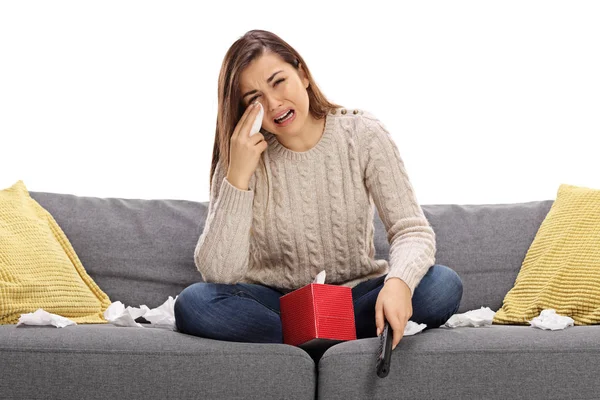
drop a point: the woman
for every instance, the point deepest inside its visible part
(297, 198)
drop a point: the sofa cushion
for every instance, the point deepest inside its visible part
(38, 266)
(494, 362)
(103, 361)
(561, 270)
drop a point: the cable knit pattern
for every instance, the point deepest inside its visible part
(282, 218)
(334, 192)
(258, 249)
(226, 227)
(310, 211)
(357, 218)
(311, 233)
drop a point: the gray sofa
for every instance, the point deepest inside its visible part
(141, 252)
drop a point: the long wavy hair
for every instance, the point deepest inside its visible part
(242, 52)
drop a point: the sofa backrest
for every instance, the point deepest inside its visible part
(137, 251)
(486, 245)
(142, 251)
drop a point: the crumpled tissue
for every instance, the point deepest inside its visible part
(474, 318)
(162, 316)
(411, 327)
(548, 319)
(42, 317)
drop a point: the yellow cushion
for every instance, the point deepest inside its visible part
(38, 266)
(561, 269)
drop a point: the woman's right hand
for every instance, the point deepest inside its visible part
(245, 150)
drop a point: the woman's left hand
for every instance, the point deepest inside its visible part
(395, 302)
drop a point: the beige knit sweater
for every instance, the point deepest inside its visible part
(310, 211)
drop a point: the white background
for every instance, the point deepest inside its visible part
(488, 102)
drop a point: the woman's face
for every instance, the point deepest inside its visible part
(278, 87)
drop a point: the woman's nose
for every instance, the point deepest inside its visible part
(273, 103)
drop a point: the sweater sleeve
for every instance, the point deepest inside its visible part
(222, 252)
(411, 237)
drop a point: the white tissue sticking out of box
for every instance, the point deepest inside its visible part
(320, 278)
(42, 317)
(162, 316)
(257, 121)
(474, 318)
(549, 319)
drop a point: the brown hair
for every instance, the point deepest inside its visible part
(242, 52)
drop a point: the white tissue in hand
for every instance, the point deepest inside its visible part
(320, 277)
(41, 317)
(549, 319)
(475, 318)
(162, 316)
(258, 121)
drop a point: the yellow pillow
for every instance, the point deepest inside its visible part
(38, 266)
(561, 269)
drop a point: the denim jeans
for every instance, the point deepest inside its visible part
(246, 312)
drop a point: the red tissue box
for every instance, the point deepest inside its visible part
(317, 314)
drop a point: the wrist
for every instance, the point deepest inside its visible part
(241, 184)
(395, 280)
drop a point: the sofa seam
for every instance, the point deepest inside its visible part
(155, 353)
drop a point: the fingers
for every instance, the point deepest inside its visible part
(247, 119)
(244, 118)
(379, 317)
(398, 326)
(259, 137)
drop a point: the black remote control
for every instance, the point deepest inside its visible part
(384, 353)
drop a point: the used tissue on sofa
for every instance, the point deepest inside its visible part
(474, 318)
(412, 328)
(42, 317)
(549, 319)
(162, 316)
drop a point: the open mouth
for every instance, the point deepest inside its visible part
(285, 119)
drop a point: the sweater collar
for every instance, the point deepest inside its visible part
(276, 149)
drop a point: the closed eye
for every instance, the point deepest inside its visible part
(275, 84)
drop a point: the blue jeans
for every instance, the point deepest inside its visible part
(246, 312)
